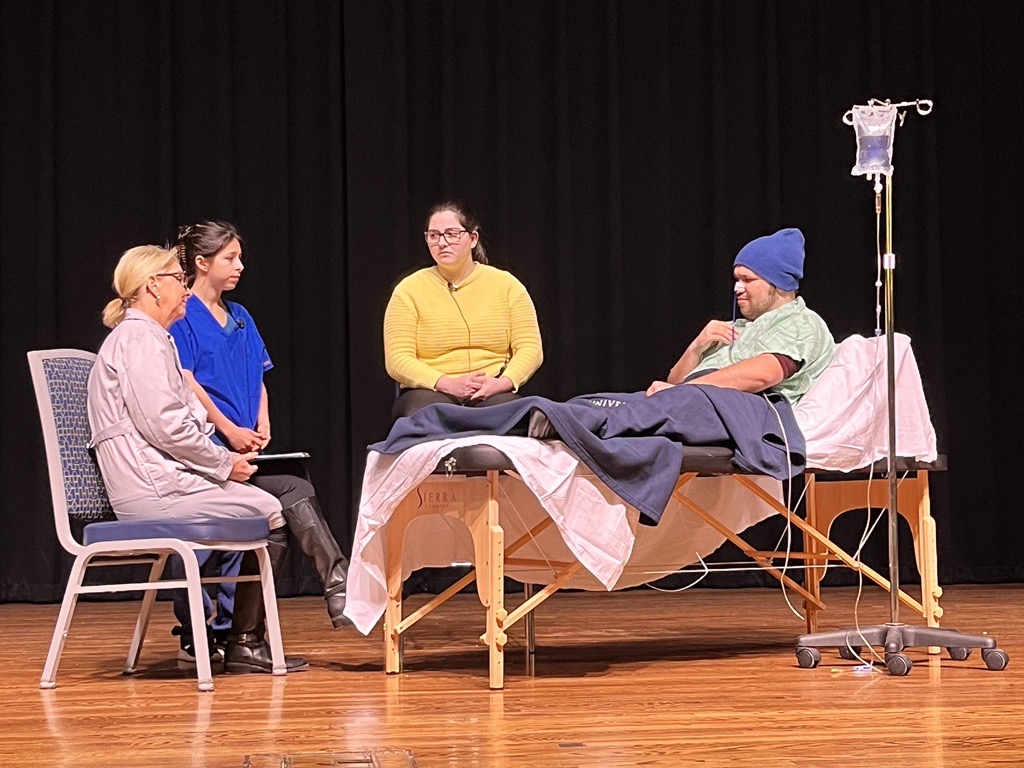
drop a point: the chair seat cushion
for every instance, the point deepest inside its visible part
(201, 529)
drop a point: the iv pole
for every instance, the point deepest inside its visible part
(893, 636)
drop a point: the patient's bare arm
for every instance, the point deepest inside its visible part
(754, 375)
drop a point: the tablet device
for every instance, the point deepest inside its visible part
(272, 456)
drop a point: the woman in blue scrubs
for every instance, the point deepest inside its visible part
(223, 354)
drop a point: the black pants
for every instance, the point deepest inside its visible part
(285, 479)
(411, 400)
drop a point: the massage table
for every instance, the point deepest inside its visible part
(529, 509)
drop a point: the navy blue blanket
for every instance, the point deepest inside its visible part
(634, 443)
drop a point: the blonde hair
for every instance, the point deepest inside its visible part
(135, 267)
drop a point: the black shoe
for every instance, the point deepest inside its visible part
(249, 653)
(187, 652)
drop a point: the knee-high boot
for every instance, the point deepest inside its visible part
(307, 524)
(247, 650)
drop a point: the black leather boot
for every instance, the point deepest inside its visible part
(307, 524)
(247, 650)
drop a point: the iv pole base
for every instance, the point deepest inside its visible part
(893, 639)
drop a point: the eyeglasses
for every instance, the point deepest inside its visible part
(181, 277)
(433, 237)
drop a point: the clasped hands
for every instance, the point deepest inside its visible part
(473, 386)
(244, 440)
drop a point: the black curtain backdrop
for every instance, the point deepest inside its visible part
(619, 153)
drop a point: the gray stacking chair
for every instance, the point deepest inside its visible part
(60, 377)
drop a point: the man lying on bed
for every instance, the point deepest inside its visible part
(779, 345)
(634, 441)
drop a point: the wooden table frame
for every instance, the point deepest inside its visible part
(473, 499)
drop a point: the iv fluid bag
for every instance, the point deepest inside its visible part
(875, 127)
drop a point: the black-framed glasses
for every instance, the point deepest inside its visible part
(181, 277)
(433, 236)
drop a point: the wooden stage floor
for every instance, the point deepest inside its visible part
(703, 678)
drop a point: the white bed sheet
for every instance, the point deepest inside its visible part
(591, 523)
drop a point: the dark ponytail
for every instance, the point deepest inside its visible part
(203, 239)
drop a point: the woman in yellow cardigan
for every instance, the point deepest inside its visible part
(461, 331)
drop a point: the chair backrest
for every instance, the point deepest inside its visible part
(60, 378)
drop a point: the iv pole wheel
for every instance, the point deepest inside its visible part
(995, 659)
(899, 664)
(959, 654)
(850, 653)
(808, 658)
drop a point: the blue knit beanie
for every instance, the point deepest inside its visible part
(777, 258)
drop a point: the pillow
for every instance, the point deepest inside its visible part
(844, 414)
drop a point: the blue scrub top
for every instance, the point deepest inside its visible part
(227, 361)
